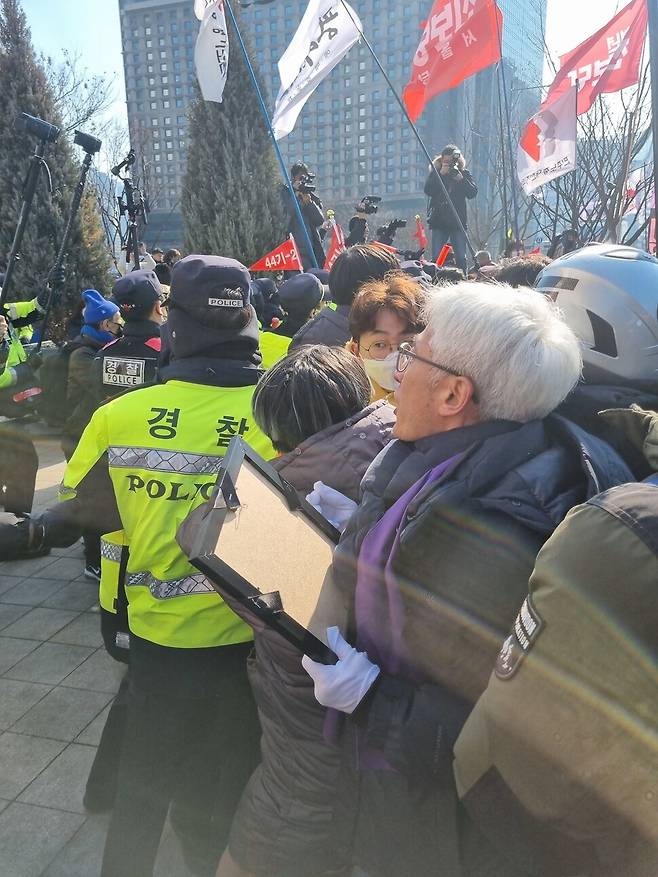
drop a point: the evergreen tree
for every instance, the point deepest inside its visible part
(232, 190)
(24, 88)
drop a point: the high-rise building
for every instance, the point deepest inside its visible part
(158, 38)
(352, 131)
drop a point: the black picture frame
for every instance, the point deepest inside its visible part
(223, 577)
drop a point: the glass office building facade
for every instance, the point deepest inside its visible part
(351, 132)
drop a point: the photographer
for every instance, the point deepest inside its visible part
(311, 208)
(359, 222)
(459, 185)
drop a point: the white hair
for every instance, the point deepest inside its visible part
(512, 343)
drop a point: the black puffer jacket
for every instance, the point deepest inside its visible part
(466, 550)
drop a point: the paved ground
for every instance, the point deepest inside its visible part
(56, 682)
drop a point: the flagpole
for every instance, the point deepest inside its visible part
(503, 80)
(652, 7)
(455, 215)
(266, 116)
(504, 163)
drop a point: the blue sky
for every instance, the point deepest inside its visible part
(91, 27)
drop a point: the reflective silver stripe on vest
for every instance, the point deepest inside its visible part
(157, 460)
(110, 551)
(194, 584)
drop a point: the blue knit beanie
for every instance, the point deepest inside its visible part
(97, 308)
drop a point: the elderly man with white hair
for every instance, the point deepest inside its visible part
(436, 561)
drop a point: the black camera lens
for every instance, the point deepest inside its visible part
(89, 143)
(39, 128)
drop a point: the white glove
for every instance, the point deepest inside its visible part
(341, 686)
(332, 505)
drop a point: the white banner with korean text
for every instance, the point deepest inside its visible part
(325, 35)
(211, 50)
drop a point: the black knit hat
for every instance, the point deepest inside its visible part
(136, 294)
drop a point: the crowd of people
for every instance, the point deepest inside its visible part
(486, 442)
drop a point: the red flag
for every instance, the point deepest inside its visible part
(535, 252)
(608, 61)
(420, 233)
(446, 249)
(460, 38)
(284, 258)
(336, 247)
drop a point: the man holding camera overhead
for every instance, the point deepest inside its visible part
(304, 188)
(459, 185)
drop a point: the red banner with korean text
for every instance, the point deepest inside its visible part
(283, 258)
(336, 247)
(607, 61)
(460, 38)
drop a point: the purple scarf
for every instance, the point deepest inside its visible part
(379, 604)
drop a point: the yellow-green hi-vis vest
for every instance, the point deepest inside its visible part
(273, 348)
(164, 447)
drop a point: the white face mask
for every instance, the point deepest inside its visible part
(382, 371)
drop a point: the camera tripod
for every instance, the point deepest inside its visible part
(133, 207)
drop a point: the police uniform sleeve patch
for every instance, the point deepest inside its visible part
(527, 627)
(123, 372)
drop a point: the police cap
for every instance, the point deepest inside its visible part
(301, 294)
(136, 294)
(208, 288)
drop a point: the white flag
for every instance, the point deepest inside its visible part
(547, 149)
(211, 51)
(200, 7)
(325, 35)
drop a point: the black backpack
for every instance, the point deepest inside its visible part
(53, 375)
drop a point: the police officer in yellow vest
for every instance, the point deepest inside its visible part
(299, 296)
(192, 734)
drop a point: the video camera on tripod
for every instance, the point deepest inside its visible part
(133, 207)
(386, 233)
(369, 204)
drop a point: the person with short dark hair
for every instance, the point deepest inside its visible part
(172, 256)
(522, 271)
(384, 314)
(157, 254)
(163, 273)
(459, 186)
(349, 272)
(314, 405)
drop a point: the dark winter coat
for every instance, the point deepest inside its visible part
(439, 214)
(313, 220)
(82, 387)
(466, 550)
(282, 825)
(330, 327)
(341, 453)
(141, 345)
